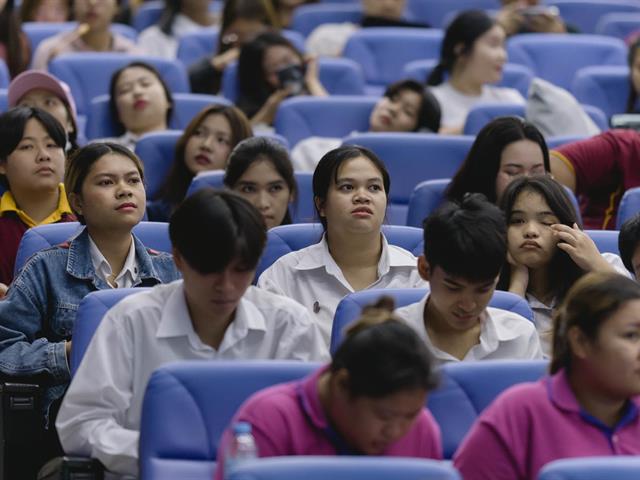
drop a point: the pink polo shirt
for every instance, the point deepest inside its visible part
(532, 424)
(288, 419)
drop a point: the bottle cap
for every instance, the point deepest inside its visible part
(242, 427)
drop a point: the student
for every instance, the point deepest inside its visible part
(52, 11)
(587, 406)
(506, 148)
(93, 34)
(204, 145)
(286, 8)
(406, 106)
(14, 46)
(465, 244)
(31, 168)
(548, 251)
(139, 101)
(104, 184)
(42, 90)
(368, 401)
(179, 17)
(633, 60)
(473, 55)
(260, 86)
(529, 16)
(213, 313)
(259, 170)
(350, 191)
(628, 242)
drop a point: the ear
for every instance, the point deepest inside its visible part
(3, 167)
(459, 50)
(319, 206)
(177, 259)
(424, 269)
(75, 201)
(340, 381)
(579, 343)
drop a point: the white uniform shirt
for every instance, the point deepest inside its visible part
(156, 43)
(127, 276)
(100, 414)
(308, 152)
(456, 105)
(503, 335)
(311, 277)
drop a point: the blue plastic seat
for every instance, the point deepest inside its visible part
(629, 206)
(383, 52)
(557, 141)
(157, 150)
(188, 405)
(345, 468)
(307, 17)
(592, 468)
(89, 74)
(436, 12)
(412, 158)
(339, 76)
(557, 57)
(5, 77)
(4, 100)
(605, 240)
(585, 14)
(604, 87)
(619, 25)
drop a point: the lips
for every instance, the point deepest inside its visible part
(140, 104)
(362, 210)
(203, 160)
(126, 206)
(45, 170)
(529, 244)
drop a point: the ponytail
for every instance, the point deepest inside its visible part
(436, 77)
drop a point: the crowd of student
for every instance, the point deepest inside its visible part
(507, 222)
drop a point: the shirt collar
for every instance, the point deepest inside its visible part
(8, 204)
(129, 273)
(310, 399)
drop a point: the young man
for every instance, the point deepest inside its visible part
(465, 246)
(629, 245)
(212, 313)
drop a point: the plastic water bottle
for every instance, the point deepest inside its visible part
(242, 448)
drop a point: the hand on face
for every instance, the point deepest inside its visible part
(580, 247)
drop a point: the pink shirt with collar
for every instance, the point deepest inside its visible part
(288, 419)
(533, 424)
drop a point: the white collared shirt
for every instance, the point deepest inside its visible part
(311, 277)
(100, 414)
(154, 42)
(127, 276)
(503, 335)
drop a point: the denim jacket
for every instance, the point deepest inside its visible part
(38, 312)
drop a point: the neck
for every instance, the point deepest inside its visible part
(604, 407)
(208, 327)
(114, 245)
(539, 285)
(38, 205)
(98, 40)
(197, 13)
(464, 84)
(156, 127)
(351, 250)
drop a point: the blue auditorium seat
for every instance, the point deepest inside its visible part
(188, 405)
(555, 142)
(557, 57)
(156, 150)
(5, 77)
(592, 468)
(344, 468)
(88, 74)
(288, 238)
(307, 17)
(411, 158)
(604, 87)
(153, 234)
(483, 113)
(149, 12)
(350, 307)
(4, 101)
(605, 240)
(435, 12)
(619, 25)
(629, 206)
(302, 117)
(585, 14)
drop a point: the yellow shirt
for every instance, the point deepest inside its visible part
(8, 204)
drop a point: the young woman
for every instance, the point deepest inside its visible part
(140, 102)
(260, 84)
(205, 145)
(42, 90)
(14, 46)
(259, 169)
(368, 401)
(548, 251)
(93, 34)
(350, 190)
(241, 21)
(633, 59)
(179, 17)
(104, 182)
(31, 168)
(406, 106)
(587, 406)
(472, 55)
(52, 11)
(506, 148)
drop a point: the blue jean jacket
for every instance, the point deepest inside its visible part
(38, 312)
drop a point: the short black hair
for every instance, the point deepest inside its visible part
(467, 238)
(628, 240)
(211, 228)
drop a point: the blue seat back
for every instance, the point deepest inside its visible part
(425, 198)
(483, 113)
(604, 87)
(88, 74)
(5, 77)
(307, 17)
(436, 12)
(619, 25)
(592, 468)
(188, 405)
(4, 100)
(412, 158)
(629, 206)
(585, 14)
(157, 150)
(557, 57)
(605, 240)
(344, 468)
(555, 142)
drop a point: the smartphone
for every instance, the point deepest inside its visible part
(292, 77)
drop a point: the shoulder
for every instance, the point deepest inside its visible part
(505, 94)
(401, 256)
(510, 324)
(517, 402)
(142, 303)
(123, 44)
(329, 39)
(276, 307)
(308, 256)
(278, 398)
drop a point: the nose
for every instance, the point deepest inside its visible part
(531, 230)
(43, 155)
(393, 430)
(502, 55)
(124, 189)
(361, 195)
(468, 304)
(223, 281)
(263, 201)
(207, 143)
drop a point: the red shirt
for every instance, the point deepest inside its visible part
(605, 166)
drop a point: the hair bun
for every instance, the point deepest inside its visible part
(374, 314)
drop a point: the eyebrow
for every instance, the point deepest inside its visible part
(457, 284)
(348, 179)
(113, 175)
(539, 214)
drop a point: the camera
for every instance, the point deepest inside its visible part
(292, 77)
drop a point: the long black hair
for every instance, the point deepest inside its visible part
(10, 37)
(633, 93)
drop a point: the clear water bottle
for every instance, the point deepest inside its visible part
(242, 447)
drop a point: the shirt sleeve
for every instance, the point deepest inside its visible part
(92, 416)
(273, 279)
(616, 262)
(302, 339)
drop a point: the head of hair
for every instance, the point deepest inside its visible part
(563, 271)
(13, 124)
(80, 162)
(328, 167)
(259, 149)
(628, 240)
(632, 98)
(383, 356)
(212, 228)
(466, 238)
(10, 36)
(459, 39)
(481, 166)
(587, 306)
(113, 108)
(177, 182)
(429, 113)
(28, 9)
(257, 10)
